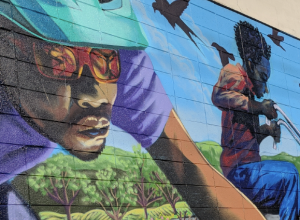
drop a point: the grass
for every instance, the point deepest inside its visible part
(162, 212)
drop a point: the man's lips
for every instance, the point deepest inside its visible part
(92, 127)
(95, 132)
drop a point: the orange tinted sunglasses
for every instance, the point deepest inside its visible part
(67, 63)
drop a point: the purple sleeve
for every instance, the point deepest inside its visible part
(142, 106)
(21, 147)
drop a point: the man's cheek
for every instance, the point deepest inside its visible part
(63, 100)
(111, 92)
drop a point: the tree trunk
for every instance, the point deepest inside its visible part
(68, 212)
(174, 208)
(117, 217)
(114, 215)
(146, 214)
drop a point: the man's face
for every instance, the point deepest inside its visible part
(259, 77)
(74, 113)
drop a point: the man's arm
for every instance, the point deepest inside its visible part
(207, 192)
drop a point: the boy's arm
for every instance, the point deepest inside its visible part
(228, 93)
(207, 192)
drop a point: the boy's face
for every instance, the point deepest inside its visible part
(259, 77)
(74, 113)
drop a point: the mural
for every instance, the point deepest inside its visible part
(159, 109)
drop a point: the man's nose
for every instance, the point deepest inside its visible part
(87, 91)
(92, 101)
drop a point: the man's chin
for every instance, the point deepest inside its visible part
(87, 155)
(259, 96)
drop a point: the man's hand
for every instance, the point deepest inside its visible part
(267, 108)
(275, 131)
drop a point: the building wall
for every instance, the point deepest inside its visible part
(273, 13)
(135, 109)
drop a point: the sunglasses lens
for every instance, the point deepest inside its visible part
(61, 62)
(106, 65)
(55, 61)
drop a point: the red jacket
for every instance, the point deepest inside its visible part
(231, 94)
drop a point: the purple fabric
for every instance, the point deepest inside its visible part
(142, 107)
(21, 147)
(16, 208)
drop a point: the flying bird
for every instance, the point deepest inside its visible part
(172, 13)
(224, 55)
(276, 39)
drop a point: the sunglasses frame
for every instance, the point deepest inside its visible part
(79, 63)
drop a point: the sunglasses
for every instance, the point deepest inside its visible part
(67, 63)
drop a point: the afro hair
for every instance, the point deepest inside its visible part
(251, 44)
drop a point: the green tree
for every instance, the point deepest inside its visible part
(142, 166)
(113, 192)
(56, 179)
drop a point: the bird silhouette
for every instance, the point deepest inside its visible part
(276, 39)
(224, 55)
(172, 13)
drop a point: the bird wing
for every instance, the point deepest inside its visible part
(280, 38)
(188, 31)
(164, 4)
(218, 47)
(177, 8)
(231, 56)
(162, 1)
(276, 36)
(274, 32)
(276, 39)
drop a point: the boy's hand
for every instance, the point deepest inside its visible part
(267, 109)
(263, 108)
(275, 131)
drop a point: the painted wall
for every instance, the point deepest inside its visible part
(130, 109)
